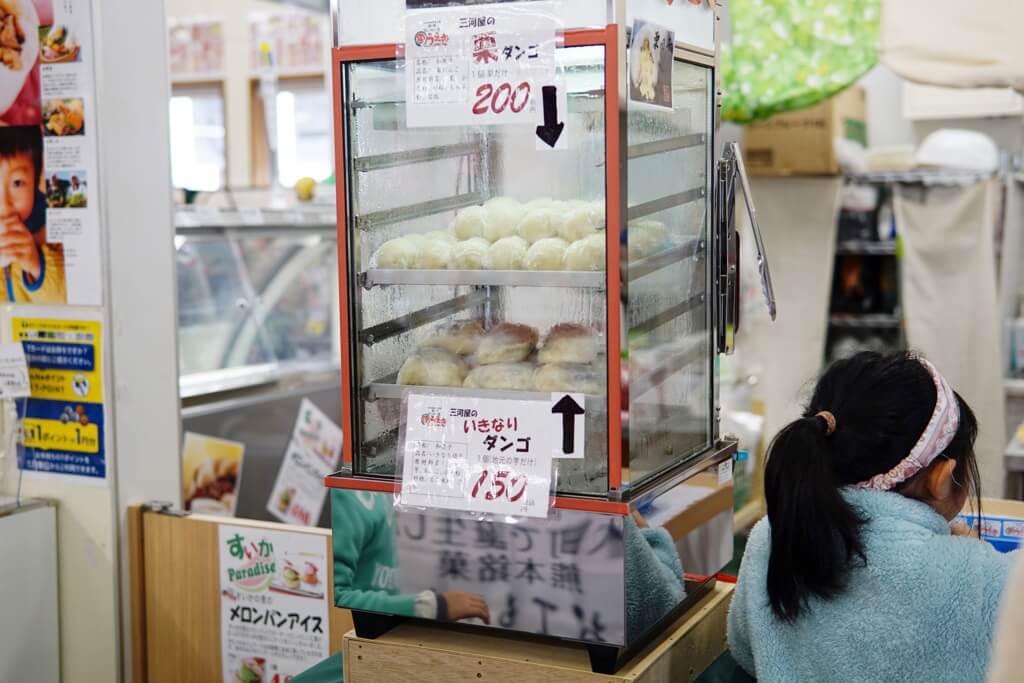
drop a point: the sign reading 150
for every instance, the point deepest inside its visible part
(495, 99)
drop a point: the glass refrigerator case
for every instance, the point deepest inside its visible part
(475, 263)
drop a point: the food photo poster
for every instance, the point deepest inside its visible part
(49, 228)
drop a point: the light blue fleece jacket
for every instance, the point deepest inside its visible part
(923, 608)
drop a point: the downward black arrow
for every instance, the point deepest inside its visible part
(569, 409)
(552, 128)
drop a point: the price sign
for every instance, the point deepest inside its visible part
(479, 65)
(479, 455)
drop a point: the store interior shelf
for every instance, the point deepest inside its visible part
(197, 220)
(376, 162)
(644, 149)
(481, 278)
(387, 388)
(392, 328)
(869, 321)
(921, 177)
(644, 382)
(418, 210)
(652, 207)
(643, 267)
(866, 248)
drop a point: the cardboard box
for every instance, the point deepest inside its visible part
(1002, 522)
(801, 142)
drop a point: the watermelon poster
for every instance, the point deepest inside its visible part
(273, 603)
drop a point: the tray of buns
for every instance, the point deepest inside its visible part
(479, 278)
(506, 360)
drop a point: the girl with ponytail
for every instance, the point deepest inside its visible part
(857, 574)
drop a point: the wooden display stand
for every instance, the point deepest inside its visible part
(415, 652)
(175, 592)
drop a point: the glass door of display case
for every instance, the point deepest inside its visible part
(478, 263)
(666, 278)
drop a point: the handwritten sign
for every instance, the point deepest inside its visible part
(479, 455)
(14, 381)
(483, 65)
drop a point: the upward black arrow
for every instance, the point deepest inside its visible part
(552, 128)
(569, 409)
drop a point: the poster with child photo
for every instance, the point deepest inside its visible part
(49, 228)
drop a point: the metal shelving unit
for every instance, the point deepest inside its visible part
(866, 248)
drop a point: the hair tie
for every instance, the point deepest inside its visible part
(830, 422)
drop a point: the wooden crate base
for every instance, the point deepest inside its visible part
(415, 652)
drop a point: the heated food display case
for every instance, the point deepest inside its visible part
(482, 265)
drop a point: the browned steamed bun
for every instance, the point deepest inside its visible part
(506, 343)
(459, 337)
(569, 343)
(433, 367)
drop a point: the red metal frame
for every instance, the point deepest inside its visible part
(609, 507)
(341, 177)
(608, 38)
(613, 267)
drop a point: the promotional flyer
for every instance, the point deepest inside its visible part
(273, 603)
(49, 221)
(63, 422)
(298, 495)
(211, 471)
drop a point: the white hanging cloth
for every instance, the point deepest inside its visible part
(951, 303)
(954, 43)
(797, 215)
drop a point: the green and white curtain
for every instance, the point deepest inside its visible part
(791, 54)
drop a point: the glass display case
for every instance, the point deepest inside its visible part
(473, 262)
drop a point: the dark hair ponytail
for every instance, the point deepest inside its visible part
(881, 405)
(815, 533)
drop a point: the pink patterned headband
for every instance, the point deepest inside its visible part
(936, 438)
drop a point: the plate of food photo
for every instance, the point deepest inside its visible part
(58, 46)
(19, 48)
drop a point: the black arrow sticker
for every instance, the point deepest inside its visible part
(569, 409)
(552, 128)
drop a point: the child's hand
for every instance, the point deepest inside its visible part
(466, 606)
(18, 246)
(639, 519)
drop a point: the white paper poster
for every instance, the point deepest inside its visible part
(299, 494)
(273, 605)
(70, 152)
(48, 154)
(483, 455)
(14, 382)
(485, 64)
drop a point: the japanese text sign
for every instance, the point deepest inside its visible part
(562, 576)
(484, 64)
(13, 372)
(479, 455)
(62, 423)
(273, 604)
(298, 495)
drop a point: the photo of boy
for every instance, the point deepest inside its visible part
(33, 270)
